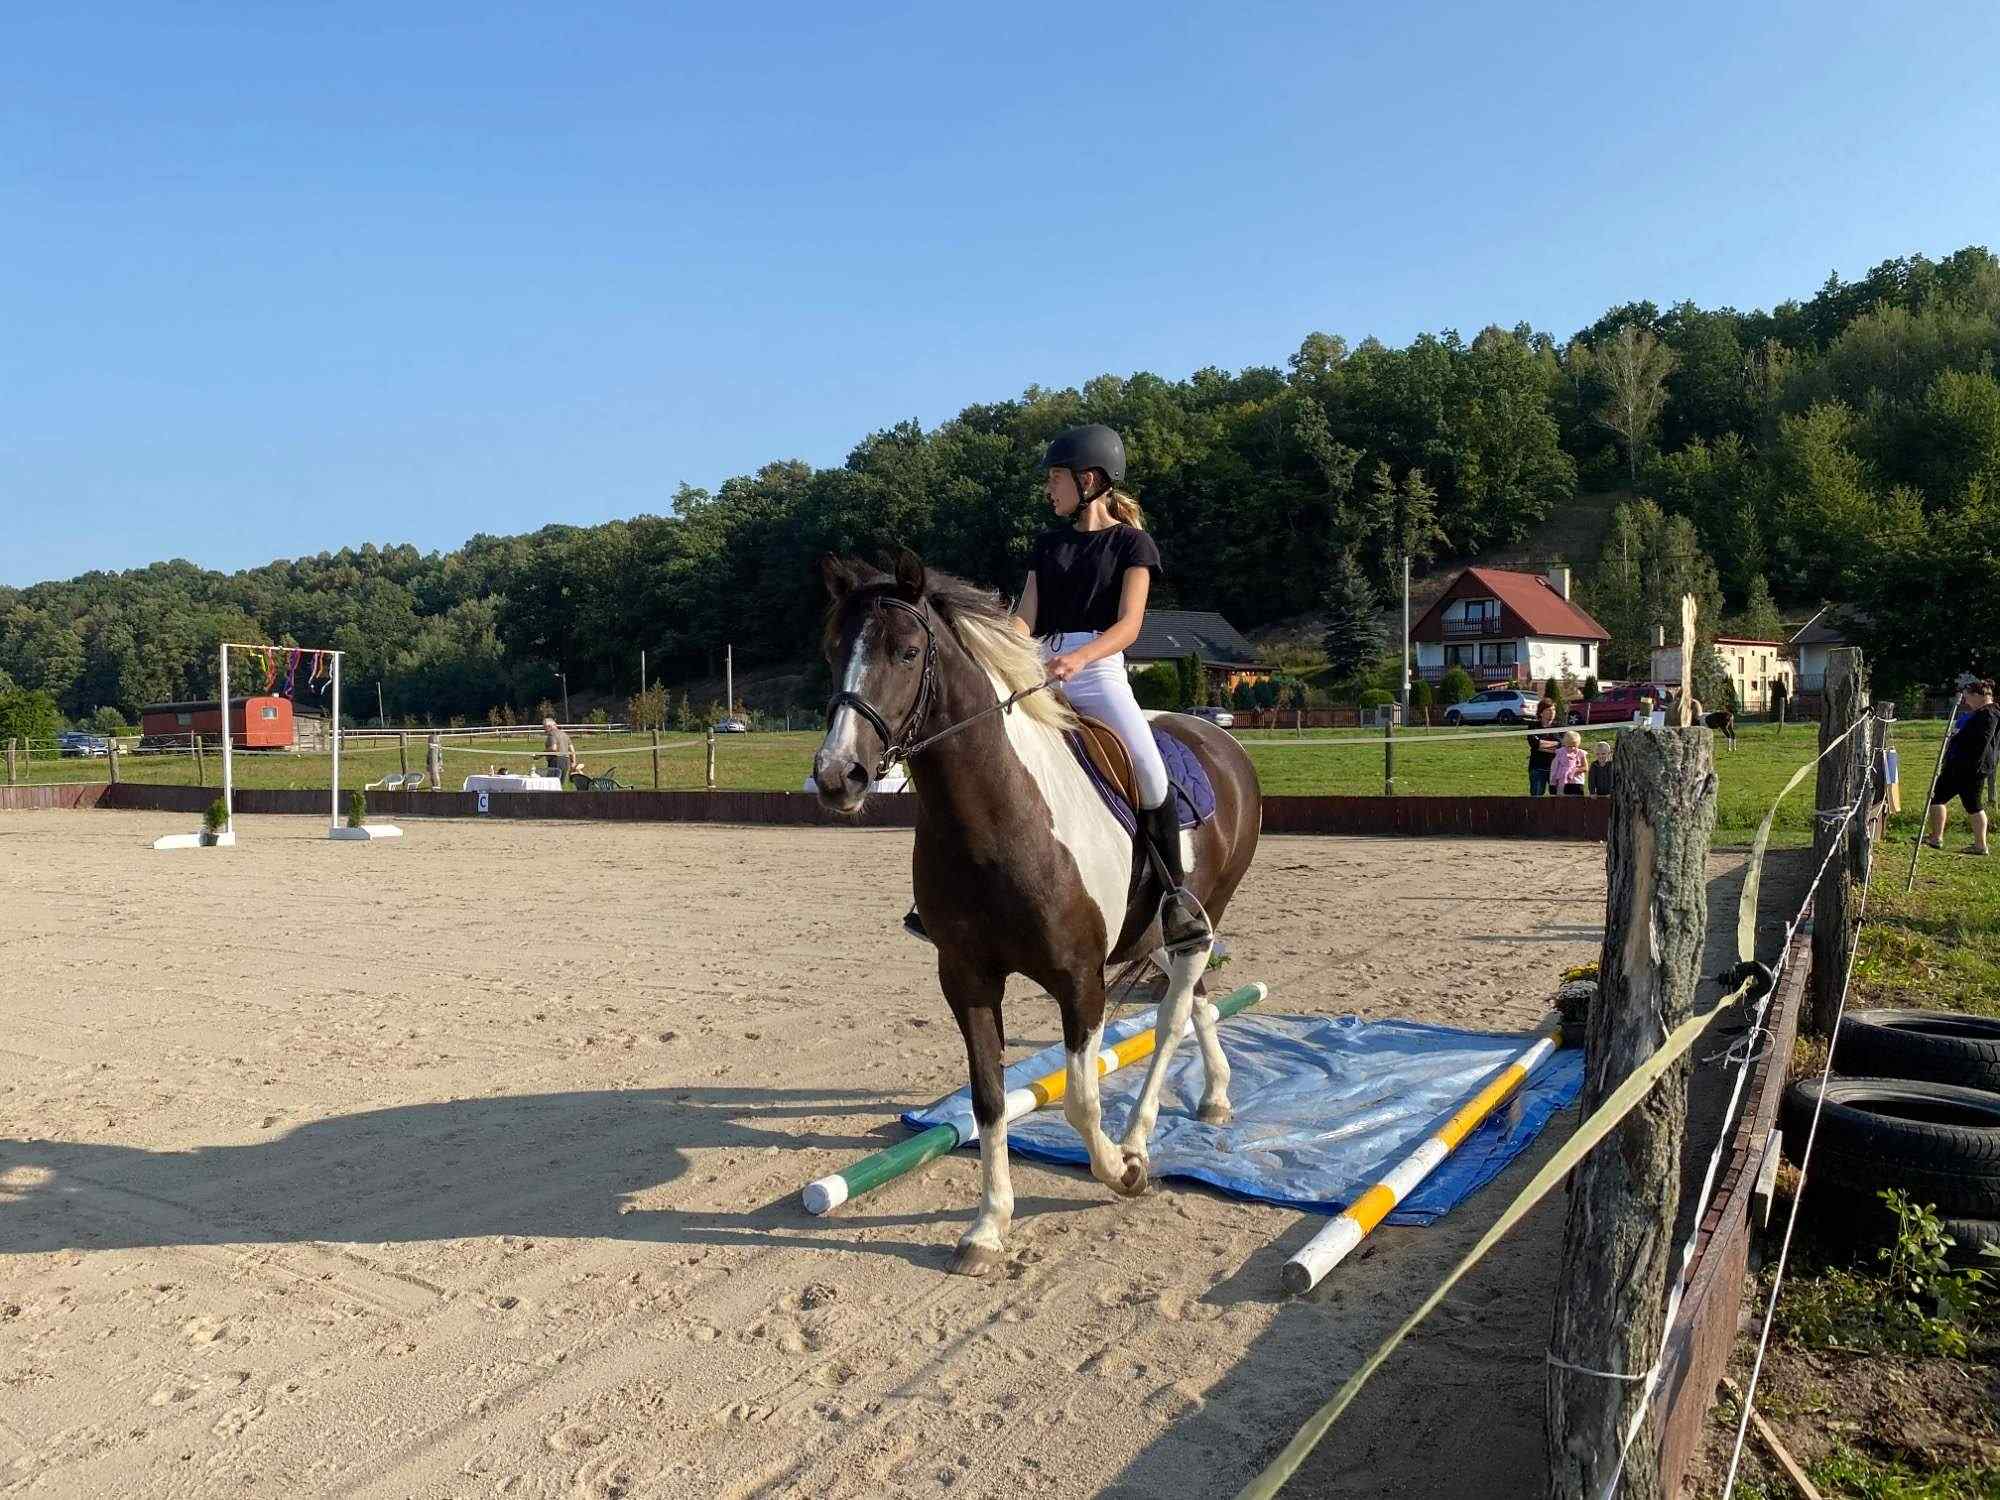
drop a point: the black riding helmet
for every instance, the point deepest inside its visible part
(1084, 448)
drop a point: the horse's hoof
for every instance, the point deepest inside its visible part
(1216, 1114)
(1132, 1181)
(973, 1260)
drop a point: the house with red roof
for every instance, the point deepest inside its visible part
(1504, 627)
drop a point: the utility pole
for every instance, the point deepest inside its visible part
(729, 680)
(642, 669)
(381, 716)
(564, 676)
(1406, 639)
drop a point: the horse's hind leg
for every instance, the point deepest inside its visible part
(975, 1002)
(1214, 1067)
(1171, 1017)
(1082, 1002)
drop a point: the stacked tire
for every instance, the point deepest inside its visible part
(1915, 1105)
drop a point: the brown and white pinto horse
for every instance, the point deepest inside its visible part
(1019, 867)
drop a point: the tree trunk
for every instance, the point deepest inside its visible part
(1612, 1289)
(1841, 778)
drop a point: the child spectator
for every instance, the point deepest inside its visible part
(1602, 778)
(1567, 775)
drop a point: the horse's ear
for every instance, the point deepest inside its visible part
(910, 579)
(839, 574)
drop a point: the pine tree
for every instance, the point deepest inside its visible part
(1353, 638)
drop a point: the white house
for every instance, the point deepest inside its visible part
(1826, 631)
(1753, 666)
(1508, 627)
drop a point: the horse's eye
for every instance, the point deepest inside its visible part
(907, 655)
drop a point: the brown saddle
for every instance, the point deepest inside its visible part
(1108, 753)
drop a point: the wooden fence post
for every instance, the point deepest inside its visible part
(434, 762)
(403, 753)
(656, 760)
(1842, 775)
(1611, 1290)
(13, 771)
(711, 757)
(111, 759)
(200, 763)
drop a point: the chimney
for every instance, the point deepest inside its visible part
(1559, 579)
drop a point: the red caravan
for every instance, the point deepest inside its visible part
(259, 722)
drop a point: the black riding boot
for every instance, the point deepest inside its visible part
(1183, 924)
(913, 924)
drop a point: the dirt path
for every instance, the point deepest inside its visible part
(468, 1165)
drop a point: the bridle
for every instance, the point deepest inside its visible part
(902, 745)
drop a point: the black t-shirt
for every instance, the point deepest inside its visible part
(1540, 759)
(1973, 747)
(1079, 575)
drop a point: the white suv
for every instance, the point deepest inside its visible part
(1495, 706)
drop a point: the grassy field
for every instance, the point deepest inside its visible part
(1435, 762)
(1883, 1358)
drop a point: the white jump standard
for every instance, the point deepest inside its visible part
(225, 837)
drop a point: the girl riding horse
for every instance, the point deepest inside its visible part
(1085, 598)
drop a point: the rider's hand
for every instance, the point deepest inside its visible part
(1066, 666)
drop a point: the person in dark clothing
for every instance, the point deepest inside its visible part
(1542, 749)
(1602, 777)
(1968, 761)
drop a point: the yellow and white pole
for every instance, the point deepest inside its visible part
(1333, 1244)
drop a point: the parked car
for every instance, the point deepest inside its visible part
(1617, 704)
(732, 726)
(75, 742)
(1221, 718)
(1494, 706)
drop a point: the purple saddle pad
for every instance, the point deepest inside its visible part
(1187, 782)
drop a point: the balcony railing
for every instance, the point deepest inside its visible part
(1490, 672)
(1458, 628)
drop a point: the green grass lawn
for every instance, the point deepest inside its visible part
(1428, 763)
(1938, 946)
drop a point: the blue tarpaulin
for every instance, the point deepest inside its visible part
(1324, 1105)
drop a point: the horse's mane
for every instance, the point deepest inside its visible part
(982, 624)
(984, 627)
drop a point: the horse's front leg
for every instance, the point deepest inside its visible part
(975, 1002)
(1182, 972)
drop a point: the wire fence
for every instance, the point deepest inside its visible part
(1609, 1115)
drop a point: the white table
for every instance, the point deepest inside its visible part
(513, 784)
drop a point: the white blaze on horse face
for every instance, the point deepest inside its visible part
(1082, 823)
(846, 725)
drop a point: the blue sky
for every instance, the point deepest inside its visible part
(279, 278)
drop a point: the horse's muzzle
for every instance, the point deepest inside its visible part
(841, 780)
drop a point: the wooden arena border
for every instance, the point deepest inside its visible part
(1577, 819)
(1705, 1328)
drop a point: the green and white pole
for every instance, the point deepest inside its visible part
(828, 1193)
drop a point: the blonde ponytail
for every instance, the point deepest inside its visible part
(1125, 509)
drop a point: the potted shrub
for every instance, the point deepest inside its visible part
(213, 822)
(357, 809)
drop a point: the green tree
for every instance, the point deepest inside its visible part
(29, 715)
(1758, 619)
(1158, 687)
(1455, 686)
(1353, 636)
(1634, 366)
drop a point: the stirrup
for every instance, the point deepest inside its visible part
(1184, 924)
(913, 924)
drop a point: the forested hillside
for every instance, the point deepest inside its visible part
(1844, 446)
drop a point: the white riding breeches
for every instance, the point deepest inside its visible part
(1103, 691)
